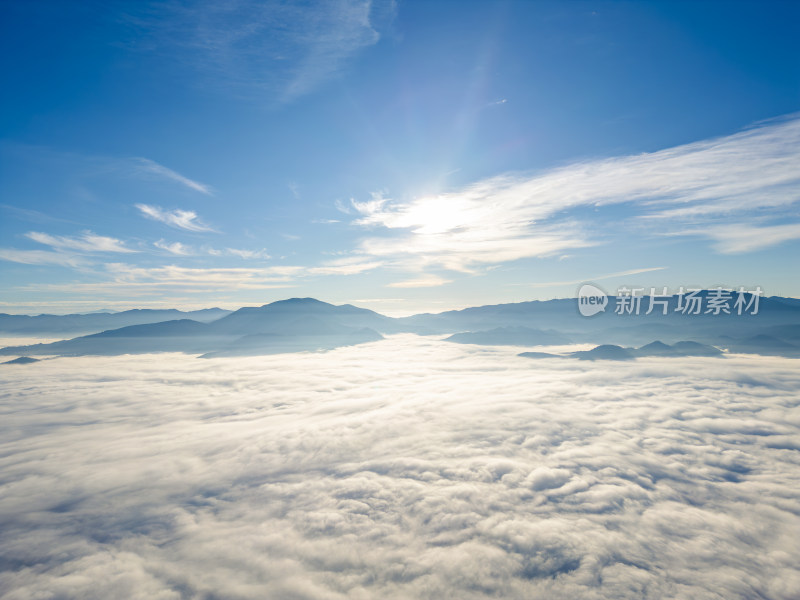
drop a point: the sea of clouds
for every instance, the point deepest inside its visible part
(408, 468)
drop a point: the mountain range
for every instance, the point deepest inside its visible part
(49, 325)
(307, 324)
(613, 352)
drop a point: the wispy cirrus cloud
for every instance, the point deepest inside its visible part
(175, 248)
(515, 216)
(33, 216)
(147, 166)
(179, 249)
(179, 219)
(85, 169)
(122, 280)
(86, 242)
(545, 284)
(39, 257)
(241, 253)
(349, 265)
(423, 281)
(276, 49)
(129, 280)
(432, 234)
(172, 273)
(67, 251)
(744, 237)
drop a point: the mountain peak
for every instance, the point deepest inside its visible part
(298, 302)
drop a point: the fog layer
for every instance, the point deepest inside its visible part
(407, 468)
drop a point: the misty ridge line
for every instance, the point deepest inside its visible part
(156, 312)
(307, 324)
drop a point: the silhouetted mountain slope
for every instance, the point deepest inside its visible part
(683, 348)
(612, 352)
(277, 343)
(604, 352)
(510, 336)
(688, 348)
(766, 345)
(99, 321)
(183, 335)
(534, 314)
(657, 348)
(789, 333)
(271, 317)
(22, 360)
(179, 328)
(540, 355)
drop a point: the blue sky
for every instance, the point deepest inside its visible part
(401, 156)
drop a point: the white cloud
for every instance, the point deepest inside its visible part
(38, 257)
(240, 253)
(180, 219)
(410, 468)
(483, 243)
(739, 238)
(349, 265)
(343, 207)
(175, 248)
(68, 251)
(247, 254)
(282, 50)
(87, 242)
(146, 165)
(515, 216)
(229, 278)
(33, 216)
(545, 284)
(130, 281)
(420, 282)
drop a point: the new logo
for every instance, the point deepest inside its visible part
(591, 300)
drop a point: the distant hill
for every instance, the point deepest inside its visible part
(604, 352)
(541, 355)
(764, 344)
(789, 333)
(183, 335)
(657, 348)
(98, 321)
(22, 360)
(274, 316)
(613, 352)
